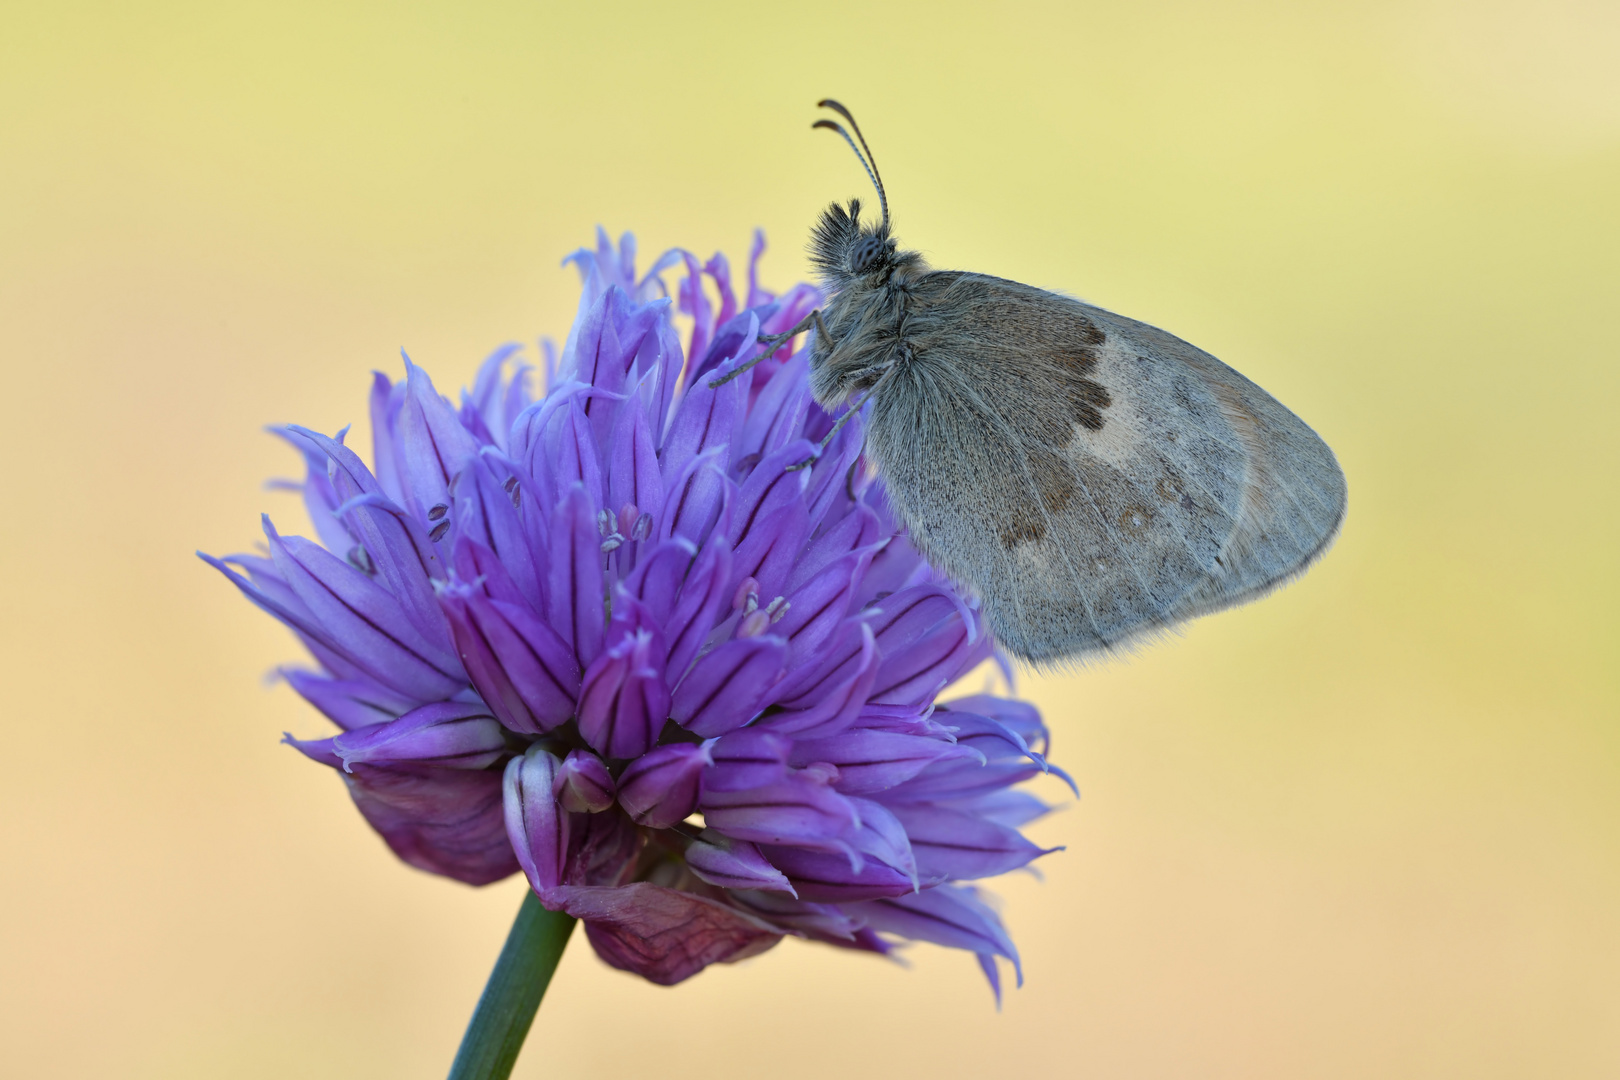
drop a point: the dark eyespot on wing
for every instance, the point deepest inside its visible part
(1054, 484)
(1134, 521)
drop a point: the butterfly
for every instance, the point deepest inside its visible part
(1094, 479)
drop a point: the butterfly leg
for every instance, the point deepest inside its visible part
(772, 342)
(821, 330)
(838, 425)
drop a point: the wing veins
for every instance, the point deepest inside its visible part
(1031, 489)
(1053, 532)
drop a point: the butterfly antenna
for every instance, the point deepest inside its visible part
(868, 161)
(833, 125)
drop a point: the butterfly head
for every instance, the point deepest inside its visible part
(847, 254)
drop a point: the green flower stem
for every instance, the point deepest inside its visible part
(501, 1021)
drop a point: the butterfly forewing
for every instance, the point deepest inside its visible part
(1093, 477)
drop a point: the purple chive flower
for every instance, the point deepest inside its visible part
(615, 639)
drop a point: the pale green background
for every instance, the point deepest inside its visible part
(1367, 828)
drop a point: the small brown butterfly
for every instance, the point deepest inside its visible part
(1092, 477)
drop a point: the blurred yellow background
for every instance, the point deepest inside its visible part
(1369, 827)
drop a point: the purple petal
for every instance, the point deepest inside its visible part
(515, 400)
(828, 878)
(444, 821)
(624, 700)
(348, 703)
(814, 611)
(659, 576)
(633, 474)
(584, 784)
(911, 615)
(602, 848)
(733, 343)
(487, 517)
(950, 845)
(799, 810)
(660, 788)
(870, 761)
(402, 557)
(998, 742)
(538, 433)
(705, 420)
(663, 935)
(652, 282)
(576, 598)
(898, 566)
(485, 400)
(749, 758)
(910, 678)
(719, 268)
(517, 663)
(370, 624)
(598, 356)
(777, 416)
(385, 402)
(959, 779)
(1010, 808)
(1019, 717)
(728, 686)
(703, 597)
(537, 828)
(575, 459)
(823, 922)
(626, 331)
(771, 486)
(819, 605)
(698, 502)
(733, 864)
(695, 303)
(451, 734)
(390, 541)
(670, 361)
(791, 307)
(925, 634)
(854, 531)
(882, 837)
(768, 553)
(992, 973)
(320, 494)
(269, 593)
(836, 475)
(831, 704)
(756, 295)
(473, 421)
(945, 915)
(994, 739)
(433, 446)
(317, 750)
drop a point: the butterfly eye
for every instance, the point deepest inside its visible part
(867, 254)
